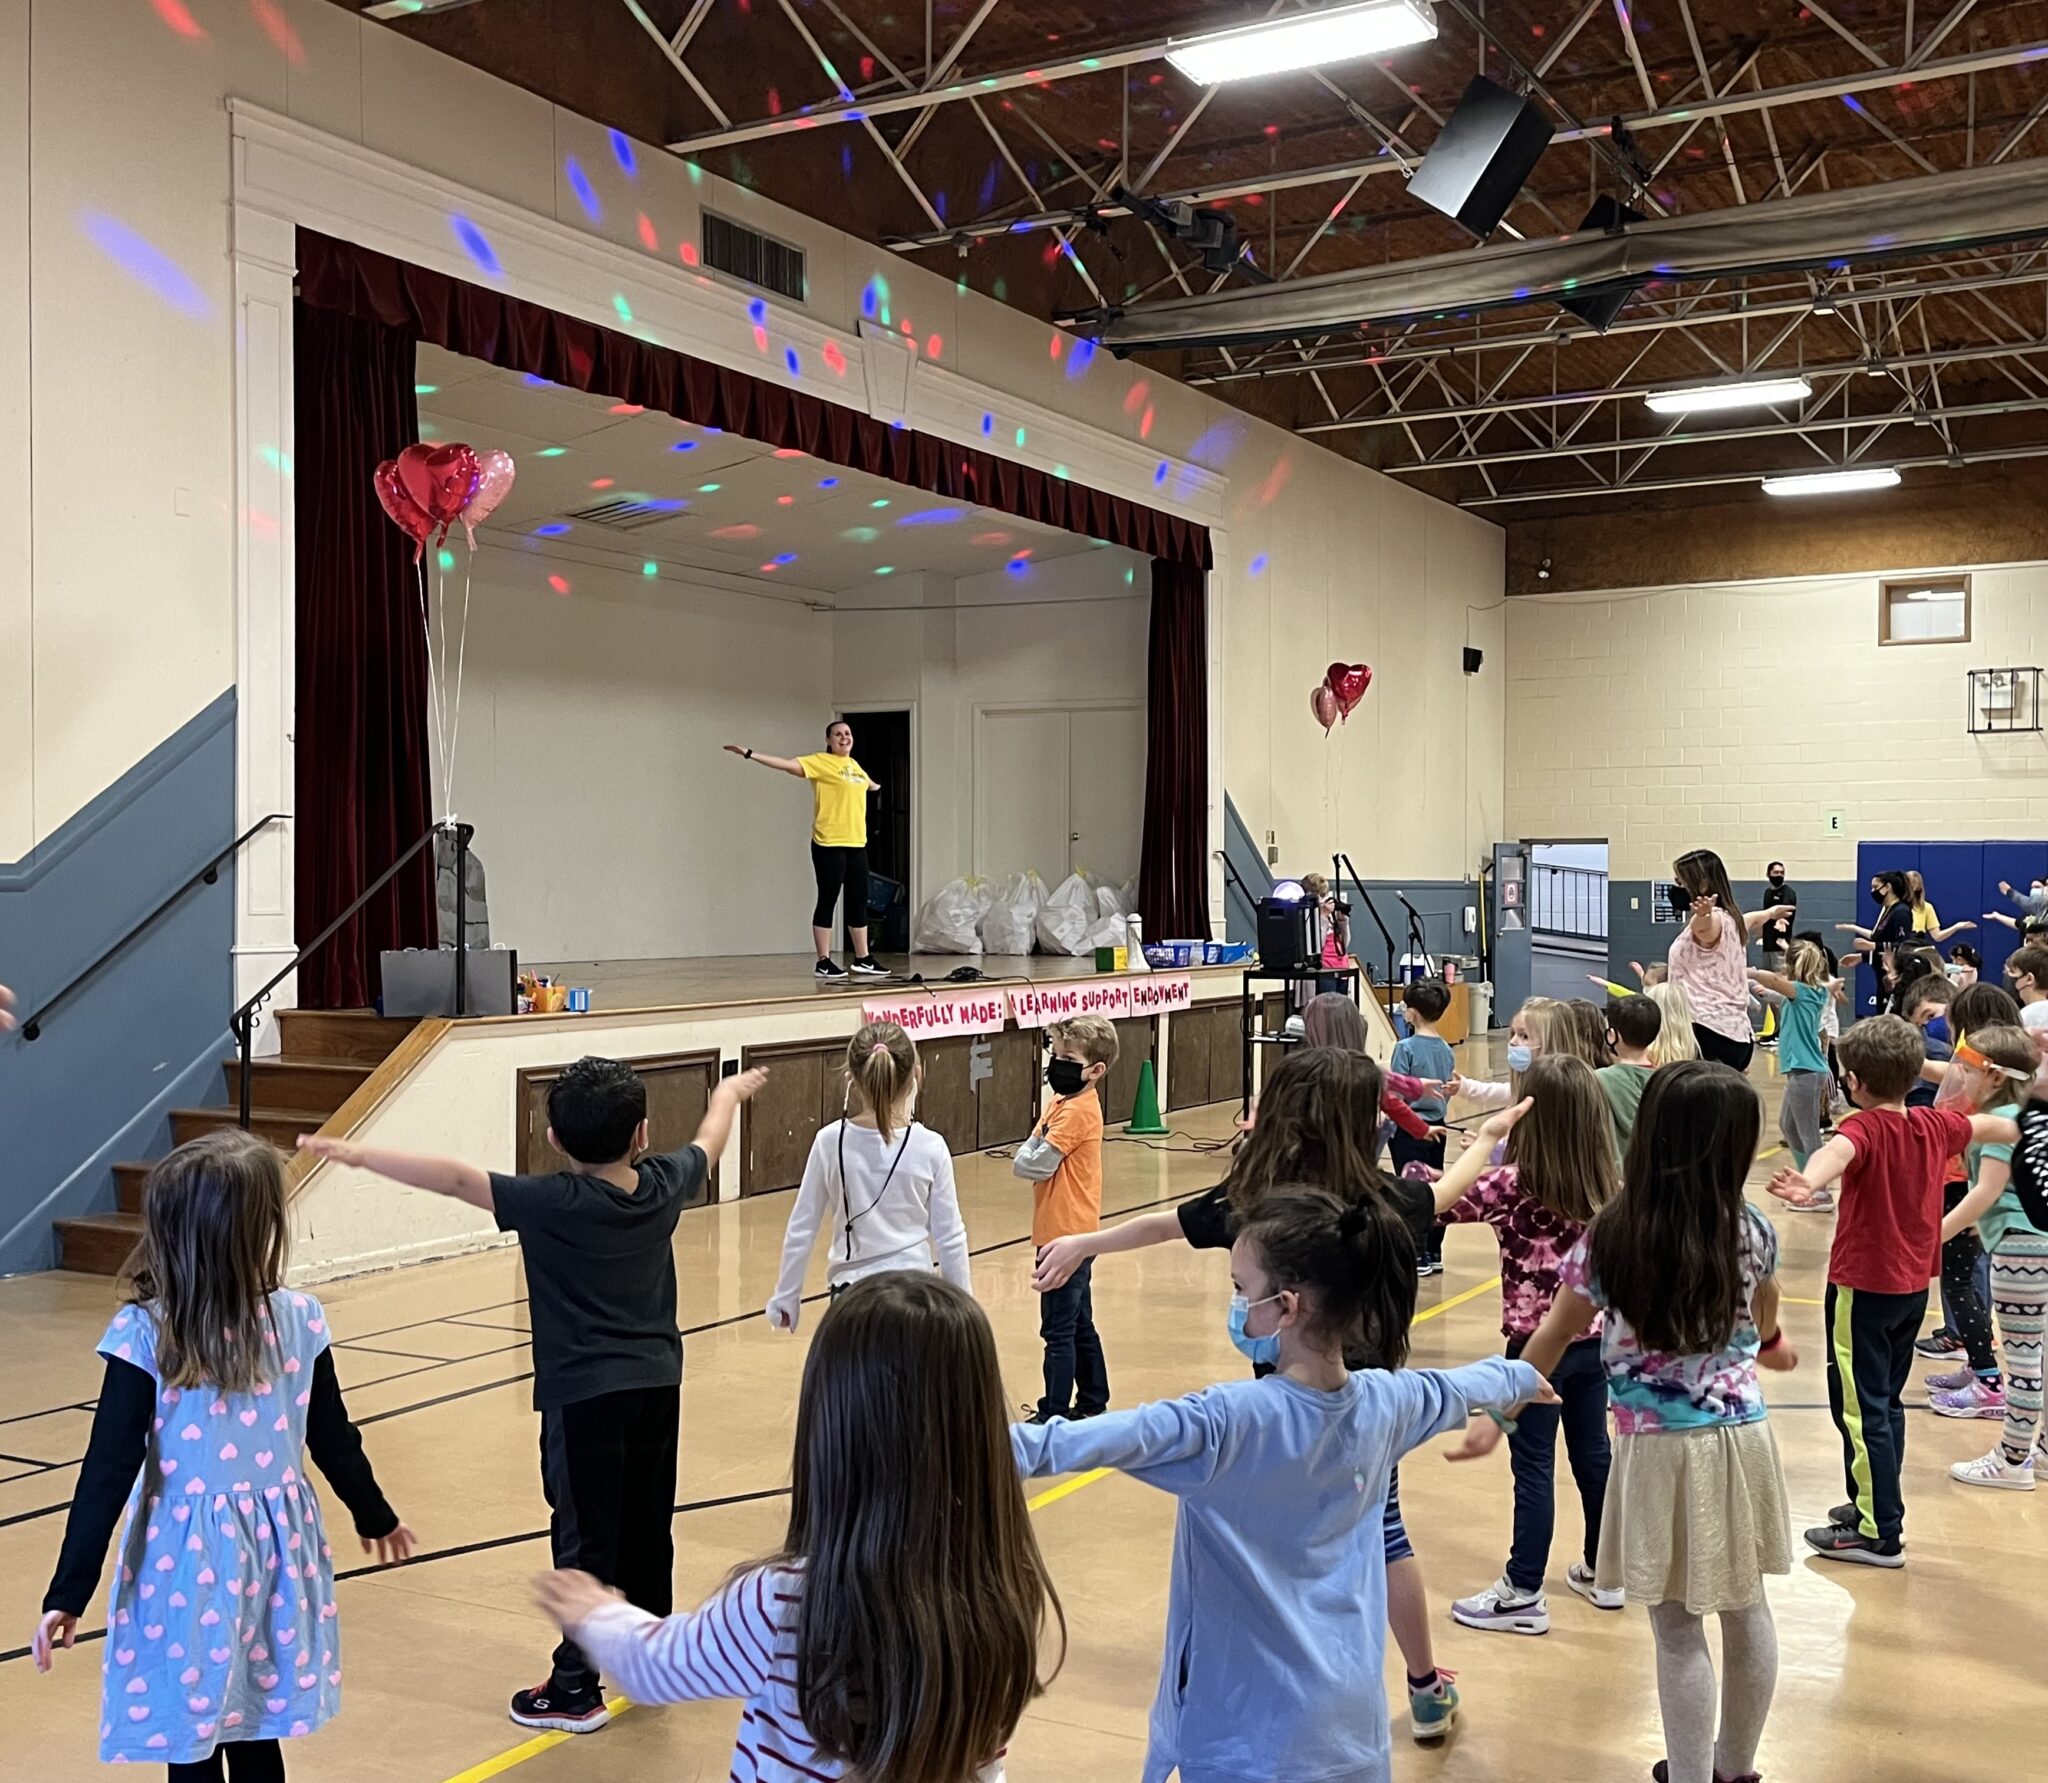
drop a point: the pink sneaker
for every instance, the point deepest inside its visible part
(1974, 1401)
(1954, 1381)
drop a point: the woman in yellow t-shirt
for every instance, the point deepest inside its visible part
(1926, 920)
(839, 844)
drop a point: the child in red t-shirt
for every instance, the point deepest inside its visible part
(1889, 1160)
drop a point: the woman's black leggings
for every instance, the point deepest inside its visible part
(246, 1761)
(1735, 1054)
(840, 870)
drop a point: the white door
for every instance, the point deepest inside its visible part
(1106, 792)
(1020, 794)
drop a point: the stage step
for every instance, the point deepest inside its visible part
(356, 1036)
(98, 1244)
(281, 1126)
(317, 1085)
(128, 1181)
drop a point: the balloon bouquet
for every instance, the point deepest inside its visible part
(1337, 694)
(429, 487)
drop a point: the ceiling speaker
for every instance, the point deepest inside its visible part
(1609, 216)
(1482, 157)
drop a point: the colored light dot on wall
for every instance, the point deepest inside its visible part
(626, 408)
(1257, 566)
(988, 425)
(684, 446)
(1159, 475)
(885, 569)
(757, 312)
(446, 559)
(551, 451)
(600, 482)
(828, 483)
(1020, 436)
(835, 360)
(878, 504)
(1018, 566)
(477, 245)
(560, 584)
(785, 557)
(624, 309)
(1130, 576)
(579, 183)
(650, 568)
(622, 152)
(935, 345)
(688, 250)
(553, 530)
(709, 488)
(790, 360)
(425, 389)
(648, 239)
(785, 501)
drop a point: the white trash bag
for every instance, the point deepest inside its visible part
(1068, 918)
(949, 921)
(1112, 901)
(1009, 925)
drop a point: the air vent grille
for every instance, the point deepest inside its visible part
(629, 513)
(753, 258)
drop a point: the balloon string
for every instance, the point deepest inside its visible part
(441, 641)
(433, 679)
(461, 654)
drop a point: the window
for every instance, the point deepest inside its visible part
(1924, 610)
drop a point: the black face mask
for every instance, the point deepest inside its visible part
(1063, 1077)
(1777, 879)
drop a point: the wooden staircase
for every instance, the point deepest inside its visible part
(328, 1054)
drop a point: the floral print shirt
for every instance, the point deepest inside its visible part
(1533, 1245)
(1654, 1390)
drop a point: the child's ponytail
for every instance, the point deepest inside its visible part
(1354, 1258)
(881, 1068)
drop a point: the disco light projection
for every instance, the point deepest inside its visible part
(425, 389)
(1080, 359)
(883, 503)
(551, 451)
(279, 30)
(785, 557)
(446, 559)
(173, 14)
(1018, 566)
(709, 488)
(828, 482)
(885, 569)
(554, 529)
(1214, 447)
(624, 309)
(687, 251)
(143, 261)
(792, 363)
(988, 425)
(477, 245)
(648, 238)
(860, 535)
(835, 360)
(586, 194)
(684, 446)
(1022, 435)
(1257, 566)
(932, 516)
(650, 567)
(560, 584)
(1159, 476)
(742, 531)
(622, 153)
(534, 381)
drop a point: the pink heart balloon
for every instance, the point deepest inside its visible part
(495, 472)
(440, 479)
(1348, 681)
(1323, 704)
(406, 514)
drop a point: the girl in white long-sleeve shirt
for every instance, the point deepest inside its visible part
(895, 1634)
(882, 1182)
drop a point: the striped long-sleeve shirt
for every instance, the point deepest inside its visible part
(739, 1644)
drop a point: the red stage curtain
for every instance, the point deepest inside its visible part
(524, 337)
(1173, 876)
(361, 731)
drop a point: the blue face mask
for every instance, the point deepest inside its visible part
(1937, 1029)
(1259, 1351)
(1519, 1057)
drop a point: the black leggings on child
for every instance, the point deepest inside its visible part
(246, 1761)
(1966, 1290)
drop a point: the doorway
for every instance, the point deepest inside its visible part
(1059, 791)
(881, 744)
(1567, 913)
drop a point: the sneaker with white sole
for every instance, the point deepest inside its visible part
(1822, 1201)
(1505, 1610)
(829, 972)
(560, 1711)
(1579, 1576)
(1433, 1713)
(870, 967)
(1994, 1470)
(1840, 1542)
(1953, 1381)
(1940, 1342)
(1977, 1400)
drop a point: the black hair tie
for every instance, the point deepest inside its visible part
(1351, 1221)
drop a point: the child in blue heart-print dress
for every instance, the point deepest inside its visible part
(221, 1633)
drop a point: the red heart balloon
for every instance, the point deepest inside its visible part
(1322, 704)
(1348, 681)
(440, 479)
(406, 514)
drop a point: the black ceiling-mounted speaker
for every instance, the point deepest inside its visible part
(1609, 216)
(1473, 658)
(1482, 157)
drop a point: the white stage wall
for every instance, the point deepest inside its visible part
(609, 824)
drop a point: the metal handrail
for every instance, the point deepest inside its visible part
(32, 1028)
(244, 1019)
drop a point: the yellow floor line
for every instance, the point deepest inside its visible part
(533, 1748)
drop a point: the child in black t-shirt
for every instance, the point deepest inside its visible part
(607, 1354)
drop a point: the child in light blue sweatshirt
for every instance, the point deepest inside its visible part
(1276, 1617)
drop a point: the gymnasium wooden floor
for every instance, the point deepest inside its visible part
(1923, 1676)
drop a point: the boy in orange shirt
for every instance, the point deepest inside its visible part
(1062, 1160)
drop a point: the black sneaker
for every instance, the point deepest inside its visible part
(1037, 1414)
(578, 1711)
(829, 972)
(870, 967)
(1846, 1516)
(1836, 1542)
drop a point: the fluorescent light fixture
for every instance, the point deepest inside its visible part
(1832, 482)
(405, 9)
(1305, 40)
(1752, 393)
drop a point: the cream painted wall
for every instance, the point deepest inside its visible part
(608, 821)
(1734, 717)
(17, 666)
(132, 582)
(952, 647)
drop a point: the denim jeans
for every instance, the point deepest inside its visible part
(1581, 1383)
(1076, 1377)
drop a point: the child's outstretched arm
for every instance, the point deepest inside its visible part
(1459, 1180)
(113, 1457)
(724, 1649)
(336, 1447)
(1994, 1175)
(1173, 1444)
(1822, 1170)
(724, 1107)
(1059, 1259)
(1570, 1313)
(438, 1176)
(1774, 981)
(1993, 1129)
